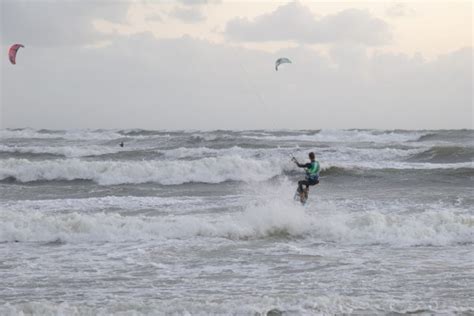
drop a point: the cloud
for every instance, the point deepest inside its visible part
(56, 23)
(155, 17)
(193, 2)
(185, 83)
(190, 11)
(198, 2)
(188, 15)
(399, 10)
(295, 22)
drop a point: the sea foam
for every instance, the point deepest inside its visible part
(275, 219)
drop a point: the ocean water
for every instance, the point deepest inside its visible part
(204, 223)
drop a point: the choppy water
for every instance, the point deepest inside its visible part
(189, 222)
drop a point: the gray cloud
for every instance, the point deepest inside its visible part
(186, 83)
(295, 22)
(56, 23)
(191, 10)
(188, 15)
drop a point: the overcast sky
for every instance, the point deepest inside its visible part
(209, 64)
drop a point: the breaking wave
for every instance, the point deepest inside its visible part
(448, 136)
(326, 135)
(445, 154)
(80, 134)
(204, 170)
(62, 151)
(349, 136)
(276, 219)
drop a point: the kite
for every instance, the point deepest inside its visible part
(12, 52)
(280, 61)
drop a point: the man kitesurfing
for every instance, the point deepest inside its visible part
(312, 176)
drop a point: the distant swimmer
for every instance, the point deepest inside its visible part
(312, 176)
(121, 144)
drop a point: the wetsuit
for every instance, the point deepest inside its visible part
(312, 174)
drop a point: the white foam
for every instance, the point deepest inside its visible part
(349, 136)
(342, 154)
(66, 151)
(326, 135)
(427, 228)
(206, 170)
(74, 134)
(245, 304)
(202, 152)
(232, 167)
(398, 165)
(279, 218)
(123, 203)
(350, 154)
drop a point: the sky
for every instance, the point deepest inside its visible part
(209, 64)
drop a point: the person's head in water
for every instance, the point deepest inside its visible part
(311, 156)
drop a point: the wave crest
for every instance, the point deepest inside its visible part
(206, 170)
(275, 219)
(445, 154)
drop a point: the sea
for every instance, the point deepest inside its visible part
(205, 222)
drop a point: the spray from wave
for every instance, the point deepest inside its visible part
(273, 215)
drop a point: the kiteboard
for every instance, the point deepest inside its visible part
(302, 197)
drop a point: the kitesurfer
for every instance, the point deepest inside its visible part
(312, 173)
